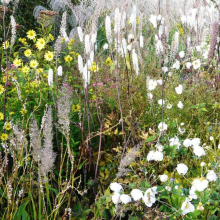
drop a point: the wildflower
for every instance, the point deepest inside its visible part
(163, 178)
(1, 116)
(17, 62)
(49, 56)
(162, 126)
(33, 64)
(180, 105)
(149, 197)
(202, 164)
(23, 111)
(182, 169)
(187, 207)
(76, 108)
(161, 102)
(211, 176)
(40, 70)
(136, 194)
(174, 142)
(31, 34)
(198, 151)
(195, 142)
(159, 47)
(2, 89)
(155, 155)
(80, 64)
(168, 188)
(7, 126)
(51, 37)
(68, 58)
(153, 20)
(4, 137)
(116, 198)
(60, 71)
(94, 68)
(149, 95)
(188, 65)
(200, 184)
(125, 198)
(141, 41)
(200, 207)
(187, 143)
(159, 147)
(25, 69)
(108, 61)
(164, 69)
(160, 82)
(135, 61)
(50, 77)
(176, 65)
(40, 44)
(196, 64)
(5, 45)
(116, 187)
(179, 89)
(87, 43)
(169, 106)
(27, 53)
(192, 193)
(181, 54)
(151, 84)
(80, 33)
(105, 47)
(211, 138)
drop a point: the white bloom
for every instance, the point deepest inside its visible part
(205, 54)
(161, 102)
(158, 156)
(150, 155)
(105, 46)
(180, 105)
(80, 33)
(200, 207)
(179, 89)
(116, 187)
(162, 126)
(151, 84)
(159, 47)
(160, 82)
(159, 147)
(181, 130)
(136, 194)
(200, 184)
(198, 151)
(124, 47)
(108, 29)
(135, 61)
(182, 169)
(164, 69)
(181, 54)
(170, 74)
(169, 106)
(187, 143)
(80, 64)
(117, 21)
(163, 178)
(211, 176)
(168, 188)
(87, 43)
(116, 198)
(176, 65)
(187, 207)
(176, 187)
(188, 65)
(50, 77)
(211, 138)
(195, 142)
(174, 142)
(94, 38)
(125, 198)
(149, 197)
(202, 164)
(129, 47)
(153, 20)
(141, 41)
(60, 71)
(192, 193)
(196, 64)
(149, 95)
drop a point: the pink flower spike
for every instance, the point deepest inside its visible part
(64, 85)
(108, 80)
(100, 84)
(94, 84)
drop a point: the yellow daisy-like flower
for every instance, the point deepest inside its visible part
(7, 126)
(2, 89)
(17, 62)
(27, 53)
(25, 69)
(1, 116)
(72, 53)
(5, 45)
(51, 37)
(76, 108)
(68, 58)
(11, 113)
(31, 34)
(40, 44)
(109, 61)
(72, 41)
(33, 64)
(40, 70)
(94, 68)
(4, 137)
(49, 56)
(23, 111)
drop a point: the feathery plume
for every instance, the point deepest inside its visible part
(135, 61)
(13, 30)
(80, 63)
(117, 21)
(108, 29)
(80, 33)
(141, 41)
(87, 43)
(50, 77)
(174, 45)
(60, 71)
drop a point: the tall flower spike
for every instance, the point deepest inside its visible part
(60, 71)
(117, 21)
(135, 61)
(63, 33)
(141, 41)
(87, 44)
(50, 77)
(80, 33)
(80, 64)
(108, 29)
(13, 30)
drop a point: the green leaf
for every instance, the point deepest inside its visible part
(151, 138)
(21, 211)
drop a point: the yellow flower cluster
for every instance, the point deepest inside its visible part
(94, 68)
(2, 89)
(23, 41)
(68, 58)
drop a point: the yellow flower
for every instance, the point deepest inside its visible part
(181, 31)
(72, 52)
(40, 70)
(11, 113)
(2, 89)
(27, 53)
(17, 62)
(4, 137)
(33, 64)
(76, 108)
(72, 41)
(7, 126)
(1, 116)
(94, 68)
(68, 58)
(31, 34)
(4, 79)
(51, 37)
(40, 44)
(25, 69)
(6, 45)
(108, 61)
(23, 111)
(138, 20)
(15, 54)
(49, 56)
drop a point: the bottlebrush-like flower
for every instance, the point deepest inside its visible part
(135, 61)
(80, 33)
(87, 43)
(50, 77)
(117, 21)
(108, 29)
(80, 64)
(60, 71)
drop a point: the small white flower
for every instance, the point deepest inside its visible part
(162, 126)
(161, 102)
(176, 65)
(136, 194)
(192, 193)
(195, 142)
(181, 54)
(163, 178)
(182, 169)
(159, 147)
(219, 146)
(150, 155)
(181, 130)
(200, 207)
(125, 198)
(116, 198)
(105, 47)
(160, 82)
(129, 47)
(116, 187)
(153, 20)
(150, 95)
(211, 138)
(169, 106)
(187, 207)
(200, 184)
(179, 89)
(180, 105)
(170, 74)
(158, 156)
(50, 77)
(60, 71)
(149, 197)
(176, 187)
(164, 69)
(211, 176)
(187, 143)
(152, 84)
(168, 188)
(196, 64)
(198, 151)
(202, 164)
(174, 141)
